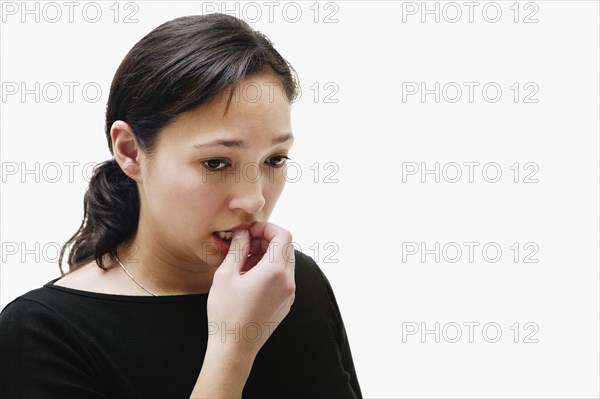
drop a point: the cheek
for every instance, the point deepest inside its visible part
(272, 192)
(178, 196)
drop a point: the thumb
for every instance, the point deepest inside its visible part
(238, 250)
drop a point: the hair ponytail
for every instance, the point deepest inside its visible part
(110, 215)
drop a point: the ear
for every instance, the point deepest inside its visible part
(126, 150)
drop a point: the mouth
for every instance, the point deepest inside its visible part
(223, 240)
(224, 235)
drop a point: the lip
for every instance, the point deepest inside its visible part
(224, 245)
(242, 226)
(221, 244)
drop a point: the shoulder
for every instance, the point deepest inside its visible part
(33, 321)
(49, 306)
(46, 318)
(308, 272)
(306, 265)
(44, 354)
(313, 289)
(32, 307)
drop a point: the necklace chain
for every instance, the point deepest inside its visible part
(137, 282)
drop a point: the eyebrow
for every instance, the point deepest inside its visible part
(240, 143)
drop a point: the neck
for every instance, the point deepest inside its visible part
(162, 271)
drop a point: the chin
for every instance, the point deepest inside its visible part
(211, 254)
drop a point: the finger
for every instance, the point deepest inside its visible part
(264, 230)
(238, 251)
(280, 248)
(258, 248)
(291, 266)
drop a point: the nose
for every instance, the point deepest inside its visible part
(248, 196)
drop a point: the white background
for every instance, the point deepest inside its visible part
(371, 215)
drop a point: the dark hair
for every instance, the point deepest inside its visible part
(181, 64)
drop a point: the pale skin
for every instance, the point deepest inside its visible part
(185, 196)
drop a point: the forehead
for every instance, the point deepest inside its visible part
(257, 108)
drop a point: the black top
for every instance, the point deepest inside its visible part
(59, 342)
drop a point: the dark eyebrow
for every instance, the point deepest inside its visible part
(240, 143)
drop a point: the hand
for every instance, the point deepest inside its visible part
(253, 289)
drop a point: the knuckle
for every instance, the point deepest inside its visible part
(221, 273)
(278, 277)
(218, 274)
(281, 278)
(290, 288)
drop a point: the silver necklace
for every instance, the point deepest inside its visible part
(137, 282)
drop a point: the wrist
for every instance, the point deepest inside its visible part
(224, 373)
(236, 354)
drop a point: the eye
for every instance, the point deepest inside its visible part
(279, 161)
(213, 164)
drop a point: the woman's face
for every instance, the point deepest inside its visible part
(214, 170)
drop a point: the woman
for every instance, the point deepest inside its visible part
(178, 285)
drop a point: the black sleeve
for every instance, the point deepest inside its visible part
(43, 356)
(342, 339)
